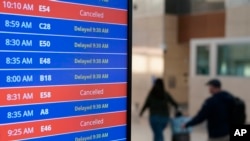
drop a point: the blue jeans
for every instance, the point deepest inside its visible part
(158, 124)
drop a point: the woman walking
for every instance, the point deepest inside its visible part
(158, 102)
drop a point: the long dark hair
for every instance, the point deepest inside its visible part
(158, 89)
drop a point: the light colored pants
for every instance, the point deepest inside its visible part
(227, 138)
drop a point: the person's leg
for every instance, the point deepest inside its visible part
(153, 126)
(163, 125)
(155, 123)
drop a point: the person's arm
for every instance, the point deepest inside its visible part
(201, 116)
(172, 101)
(145, 106)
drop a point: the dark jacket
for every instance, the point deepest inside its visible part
(159, 106)
(216, 110)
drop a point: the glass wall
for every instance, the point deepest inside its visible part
(235, 3)
(178, 7)
(234, 60)
(207, 5)
(193, 6)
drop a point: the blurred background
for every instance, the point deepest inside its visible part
(188, 42)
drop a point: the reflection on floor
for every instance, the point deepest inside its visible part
(141, 131)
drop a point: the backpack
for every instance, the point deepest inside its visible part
(238, 112)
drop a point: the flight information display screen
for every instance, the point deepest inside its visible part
(64, 70)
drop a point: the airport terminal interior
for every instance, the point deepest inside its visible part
(188, 42)
(66, 66)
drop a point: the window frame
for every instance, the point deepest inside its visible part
(197, 57)
(213, 44)
(227, 45)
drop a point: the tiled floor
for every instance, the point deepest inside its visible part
(141, 131)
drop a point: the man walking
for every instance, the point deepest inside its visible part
(216, 111)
